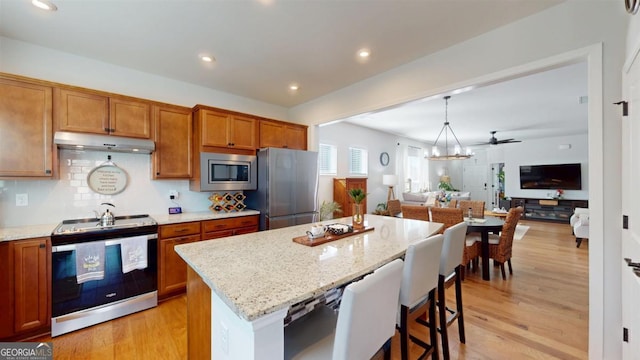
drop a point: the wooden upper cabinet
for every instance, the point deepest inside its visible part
(282, 135)
(242, 132)
(81, 112)
(88, 112)
(214, 128)
(26, 115)
(172, 133)
(227, 130)
(129, 118)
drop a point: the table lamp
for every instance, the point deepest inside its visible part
(390, 181)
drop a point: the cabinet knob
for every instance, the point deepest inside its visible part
(158, 173)
(42, 246)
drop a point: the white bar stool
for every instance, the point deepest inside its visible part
(451, 273)
(417, 294)
(364, 324)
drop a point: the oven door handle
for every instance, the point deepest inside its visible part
(71, 247)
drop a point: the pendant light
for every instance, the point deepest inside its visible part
(446, 129)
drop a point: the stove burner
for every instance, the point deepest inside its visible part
(90, 229)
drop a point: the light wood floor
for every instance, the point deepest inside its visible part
(540, 312)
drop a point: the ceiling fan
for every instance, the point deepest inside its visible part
(494, 141)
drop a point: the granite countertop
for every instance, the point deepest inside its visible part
(164, 219)
(259, 273)
(34, 231)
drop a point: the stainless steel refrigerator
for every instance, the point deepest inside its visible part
(287, 192)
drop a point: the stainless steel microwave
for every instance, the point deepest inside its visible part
(226, 172)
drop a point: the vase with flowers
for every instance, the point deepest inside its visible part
(357, 195)
(559, 194)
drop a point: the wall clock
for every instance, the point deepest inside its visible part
(384, 159)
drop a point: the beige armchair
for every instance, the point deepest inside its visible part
(580, 223)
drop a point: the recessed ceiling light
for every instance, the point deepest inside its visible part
(207, 58)
(294, 87)
(364, 53)
(44, 4)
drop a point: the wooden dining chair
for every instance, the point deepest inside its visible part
(446, 216)
(477, 208)
(453, 203)
(416, 212)
(394, 207)
(500, 245)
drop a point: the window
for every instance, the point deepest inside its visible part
(358, 161)
(328, 160)
(413, 170)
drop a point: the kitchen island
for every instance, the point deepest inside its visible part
(240, 288)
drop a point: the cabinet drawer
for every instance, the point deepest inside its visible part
(182, 229)
(229, 223)
(217, 234)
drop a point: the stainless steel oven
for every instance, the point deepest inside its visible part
(102, 272)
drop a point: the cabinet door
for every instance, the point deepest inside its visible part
(271, 134)
(214, 128)
(172, 135)
(31, 273)
(6, 289)
(296, 137)
(129, 118)
(81, 112)
(172, 270)
(274, 134)
(242, 132)
(25, 129)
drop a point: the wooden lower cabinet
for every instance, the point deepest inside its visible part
(25, 288)
(172, 270)
(213, 229)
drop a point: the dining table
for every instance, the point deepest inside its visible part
(484, 227)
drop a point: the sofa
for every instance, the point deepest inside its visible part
(430, 197)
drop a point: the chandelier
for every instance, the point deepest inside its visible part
(457, 149)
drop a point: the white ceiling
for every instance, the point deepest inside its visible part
(541, 105)
(261, 46)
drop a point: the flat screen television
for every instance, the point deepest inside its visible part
(556, 176)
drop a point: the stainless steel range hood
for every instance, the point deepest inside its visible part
(80, 141)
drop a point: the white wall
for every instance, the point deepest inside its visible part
(543, 152)
(546, 39)
(343, 136)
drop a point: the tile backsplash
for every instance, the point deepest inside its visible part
(51, 201)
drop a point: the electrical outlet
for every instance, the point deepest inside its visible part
(173, 193)
(22, 199)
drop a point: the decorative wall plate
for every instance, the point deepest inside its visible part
(107, 179)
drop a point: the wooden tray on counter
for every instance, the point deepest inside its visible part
(304, 240)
